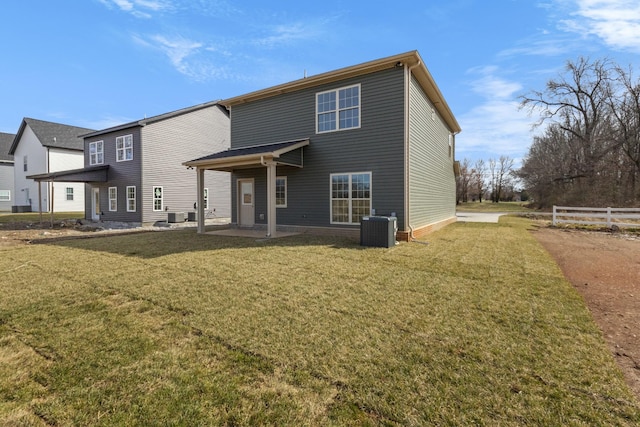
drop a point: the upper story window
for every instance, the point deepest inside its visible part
(25, 163)
(124, 148)
(338, 109)
(96, 153)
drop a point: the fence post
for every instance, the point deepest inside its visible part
(608, 217)
(554, 216)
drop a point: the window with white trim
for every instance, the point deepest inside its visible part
(350, 197)
(281, 192)
(124, 148)
(96, 153)
(25, 162)
(113, 199)
(69, 194)
(338, 109)
(5, 195)
(158, 201)
(206, 198)
(131, 198)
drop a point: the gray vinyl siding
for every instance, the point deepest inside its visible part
(120, 174)
(168, 143)
(431, 176)
(376, 147)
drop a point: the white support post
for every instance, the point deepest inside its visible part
(200, 203)
(609, 222)
(271, 199)
(554, 216)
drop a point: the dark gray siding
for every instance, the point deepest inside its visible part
(431, 179)
(376, 147)
(121, 175)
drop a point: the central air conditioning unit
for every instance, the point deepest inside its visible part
(378, 231)
(175, 217)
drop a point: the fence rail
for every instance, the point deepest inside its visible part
(596, 216)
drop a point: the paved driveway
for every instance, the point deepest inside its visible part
(478, 216)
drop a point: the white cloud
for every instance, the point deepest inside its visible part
(185, 55)
(138, 8)
(495, 126)
(616, 22)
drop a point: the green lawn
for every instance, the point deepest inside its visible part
(477, 327)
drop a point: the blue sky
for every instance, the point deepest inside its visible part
(99, 63)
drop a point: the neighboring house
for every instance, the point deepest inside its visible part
(42, 147)
(134, 171)
(327, 150)
(7, 189)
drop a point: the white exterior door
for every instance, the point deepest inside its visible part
(95, 204)
(246, 205)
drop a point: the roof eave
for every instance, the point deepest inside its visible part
(336, 75)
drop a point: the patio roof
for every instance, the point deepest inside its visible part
(254, 156)
(88, 174)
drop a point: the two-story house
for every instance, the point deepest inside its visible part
(6, 172)
(42, 147)
(134, 173)
(325, 151)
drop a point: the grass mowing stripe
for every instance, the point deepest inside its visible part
(477, 327)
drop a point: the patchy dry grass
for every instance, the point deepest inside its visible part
(167, 328)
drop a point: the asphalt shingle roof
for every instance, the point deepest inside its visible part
(55, 135)
(6, 139)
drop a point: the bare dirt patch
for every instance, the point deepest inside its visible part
(604, 267)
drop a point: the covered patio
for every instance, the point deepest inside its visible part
(86, 175)
(268, 156)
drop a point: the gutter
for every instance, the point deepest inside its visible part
(407, 82)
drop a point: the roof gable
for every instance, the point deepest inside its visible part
(53, 135)
(411, 60)
(154, 119)
(6, 139)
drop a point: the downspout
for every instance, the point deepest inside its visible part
(407, 205)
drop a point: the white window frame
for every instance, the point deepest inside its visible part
(205, 195)
(337, 110)
(350, 199)
(161, 198)
(113, 199)
(5, 195)
(131, 200)
(284, 179)
(25, 164)
(124, 148)
(96, 157)
(69, 194)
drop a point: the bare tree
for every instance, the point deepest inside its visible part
(477, 178)
(593, 116)
(463, 181)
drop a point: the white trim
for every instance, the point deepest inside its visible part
(161, 198)
(124, 149)
(101, 153)
(68, 193)
(112, 200)
(285, 192)
(205, 194)
(350, 199)
(135, 203)
(338, 109)
(5, 195)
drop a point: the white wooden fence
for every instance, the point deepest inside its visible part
(597, 216)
